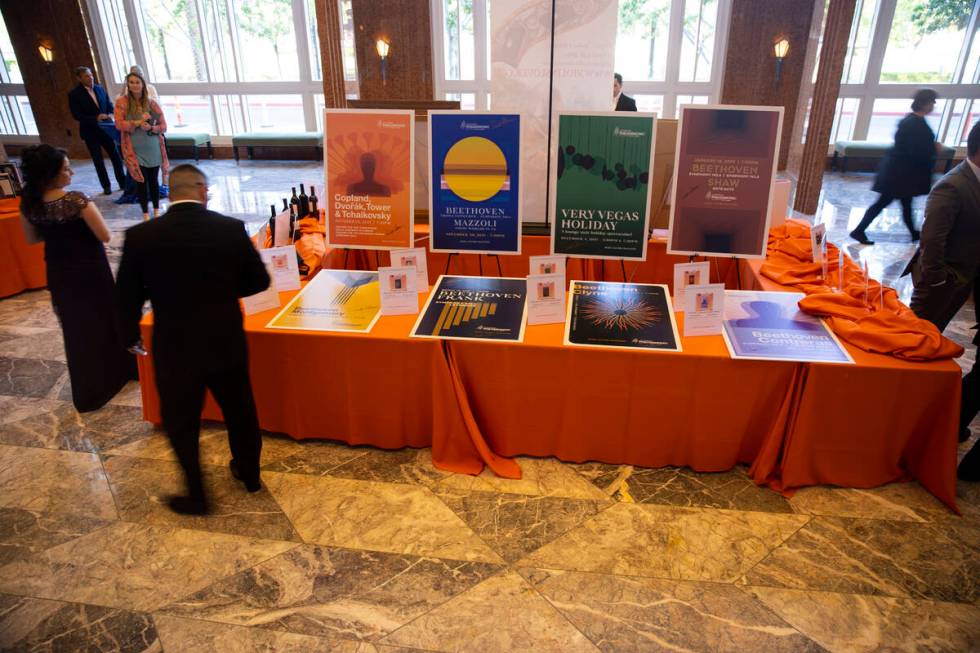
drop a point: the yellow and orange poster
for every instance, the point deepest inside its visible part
(369, 171)
(334, 300)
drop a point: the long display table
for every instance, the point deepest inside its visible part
(21, 265)
(479, 403)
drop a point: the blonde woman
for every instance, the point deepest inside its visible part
(141, 124)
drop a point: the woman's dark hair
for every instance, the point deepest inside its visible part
(40, 164)
(922, 98)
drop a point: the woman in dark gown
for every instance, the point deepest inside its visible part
(79, 278)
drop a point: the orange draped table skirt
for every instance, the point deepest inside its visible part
(481, 403)
(21, 265)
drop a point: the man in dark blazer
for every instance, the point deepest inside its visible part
(946, 269)
(621, 101)
(193, 265)
(90, 105)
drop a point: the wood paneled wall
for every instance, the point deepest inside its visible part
(60, 24)
(750, 65)
(406, 25)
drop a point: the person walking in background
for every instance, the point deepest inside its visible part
(621, 101)
(151, 90)
(946, 270)
(91, 107)
(79, 278)
(141, 122)
(906, 170)
(193, 265)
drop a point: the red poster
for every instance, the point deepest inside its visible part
(724, 171)
(369, 167)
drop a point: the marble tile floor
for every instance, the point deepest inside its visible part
(361, 550)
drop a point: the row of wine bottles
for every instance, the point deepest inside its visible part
(298, 206)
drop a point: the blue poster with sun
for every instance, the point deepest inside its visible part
(474, 199)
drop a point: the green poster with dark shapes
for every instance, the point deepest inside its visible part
(600, 185)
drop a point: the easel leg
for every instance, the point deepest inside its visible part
(622, 267)
(449, 260)
(738, 273)
(500, 271)
(377, 259)
(479, 260)
(346, 257)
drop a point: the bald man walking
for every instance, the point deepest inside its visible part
(193, 264)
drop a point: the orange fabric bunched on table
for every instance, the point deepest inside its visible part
(883, 324)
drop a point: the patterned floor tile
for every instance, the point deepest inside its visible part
(28, 377)
(25, 532)
(15, 409)
(678, 486)
(141, 487)
(515, 525)
(539, 477)
(327, 592)
(389, 517)
(894, 502)
(136, 567)
(864, 556)
(668, 542)
(56, 482)
(645, 614)
(65, 428)
(214, 449)
(38, 625)
(191, 636)
(850, 623)
(412, 466)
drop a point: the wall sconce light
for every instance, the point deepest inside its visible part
(383, 47)
(780, 48)
(46, 53)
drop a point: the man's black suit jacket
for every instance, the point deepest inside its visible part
(87, 112)
(193, 265)
(625, 103)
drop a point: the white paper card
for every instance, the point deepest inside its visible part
(779, 202)
(545, 299)
(818, 234)
(413, 258)
(704, 307)
(547, 265)
(281, 235)
(399, 290)
(262, 301)
(688, 274)
(283, 266)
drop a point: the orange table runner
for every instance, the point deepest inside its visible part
(21, 265)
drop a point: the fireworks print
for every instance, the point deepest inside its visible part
(621, 312)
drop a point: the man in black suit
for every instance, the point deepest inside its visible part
(946, 270)
(621, 101)
(90, 105)
(193, 264)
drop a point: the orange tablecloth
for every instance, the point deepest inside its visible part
(796, 423)
(21, 265)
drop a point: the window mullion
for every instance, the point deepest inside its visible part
(134, 25)
(674, 36)
(885, 14)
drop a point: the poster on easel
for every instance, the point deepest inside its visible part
(600, 184)
(475, 194)
(368, 168)
(724, 172)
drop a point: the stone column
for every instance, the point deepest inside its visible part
(837, 30)
(331, 57)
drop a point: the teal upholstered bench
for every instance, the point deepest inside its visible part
(872, 150)
(191, 139)
(251, 140)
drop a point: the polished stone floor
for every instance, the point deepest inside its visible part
(355, 549)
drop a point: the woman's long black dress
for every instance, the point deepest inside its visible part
(82, 290)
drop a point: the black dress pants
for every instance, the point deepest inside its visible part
(97, 142)
(181, 400)
(149, 190)
(879, 206)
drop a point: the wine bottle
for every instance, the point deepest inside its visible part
(294, 202)
(314, 204)
(304, 202)
(285, 205)
(272, 224)
(292, 222)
